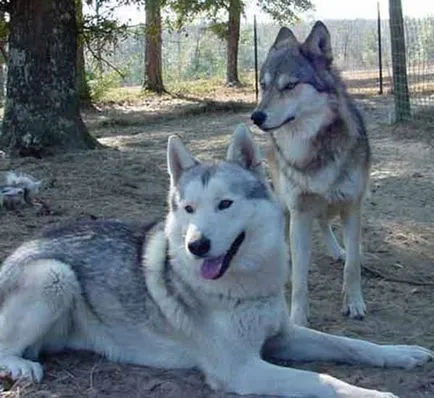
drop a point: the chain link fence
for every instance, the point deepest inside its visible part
(420, 66)
(196, 53)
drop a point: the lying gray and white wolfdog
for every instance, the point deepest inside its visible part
(205, 289)
(320, 157)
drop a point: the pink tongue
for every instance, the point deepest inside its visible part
(211, 267)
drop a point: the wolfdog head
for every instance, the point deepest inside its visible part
(297, 80)
(223, 217)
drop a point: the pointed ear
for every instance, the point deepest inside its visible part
(244, 151)
(317, 46)
(285, 38)
(179, 158)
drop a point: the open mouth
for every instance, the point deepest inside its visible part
(215, 267)
(288, 120)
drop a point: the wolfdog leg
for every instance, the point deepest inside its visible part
(237, 369)
(353, 305)
(287, 216)
(335, 251)
(296, 343)
(301, 253)
(43, 292)
(262, 378)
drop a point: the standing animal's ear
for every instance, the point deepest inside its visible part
(317, 47)
(179, 158)
(244, 151)
(285, 38)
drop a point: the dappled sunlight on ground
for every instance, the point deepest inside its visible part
(128, 180)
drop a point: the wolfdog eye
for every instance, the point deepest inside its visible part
(189, 209)
(225, 203)
(290, 86)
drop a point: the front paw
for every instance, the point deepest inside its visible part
(354, 305)
(17, 368)
(406, 356)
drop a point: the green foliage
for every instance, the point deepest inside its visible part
(192, 54)
(215, 12)
(101, 83)
(185, 11)
(284, 11)
(4, 34)
(101, 31)
(204, 58)
(220, 29)
(201, 87)
(4, 29)
(206, 64)
(124, 95)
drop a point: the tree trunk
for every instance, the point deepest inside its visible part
(399, 63)
(153, 43)
(2, 82)
(232, 43)
(41, 113)
(82, 86)
(3, 60)
(98, 43)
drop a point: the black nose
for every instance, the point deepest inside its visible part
(200, 247)
(258, 117)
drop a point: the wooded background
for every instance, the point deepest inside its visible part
(62, 56)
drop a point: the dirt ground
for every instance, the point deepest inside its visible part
(128, 181)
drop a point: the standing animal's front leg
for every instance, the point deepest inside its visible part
(301, 254)
(353, 305)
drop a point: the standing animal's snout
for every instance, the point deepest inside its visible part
(258, 117)
(200, 247)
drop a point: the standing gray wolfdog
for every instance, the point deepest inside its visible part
(320, 158)
(204, 289)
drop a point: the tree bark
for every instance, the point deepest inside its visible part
(399, 62)
(232, 43)
(153, 47)
(3, 56)
(42, 114)
(82, 86)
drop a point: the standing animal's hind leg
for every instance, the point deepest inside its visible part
(353, 305)
(335, 251)
(42, 293)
